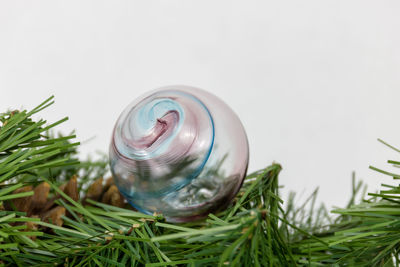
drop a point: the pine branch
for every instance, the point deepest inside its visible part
(256, 230)
(365, 234)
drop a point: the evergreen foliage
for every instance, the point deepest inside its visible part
(256, 230)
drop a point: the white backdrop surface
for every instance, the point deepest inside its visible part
(315, 83)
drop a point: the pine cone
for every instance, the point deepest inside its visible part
(39, 205)
(107, 193)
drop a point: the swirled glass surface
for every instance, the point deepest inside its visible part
(179, 151)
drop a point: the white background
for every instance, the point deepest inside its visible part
(315, 83)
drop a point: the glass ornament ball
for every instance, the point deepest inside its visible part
(179, 151)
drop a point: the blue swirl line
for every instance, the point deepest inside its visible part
(145, 120)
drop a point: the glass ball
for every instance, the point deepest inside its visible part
(179, 151)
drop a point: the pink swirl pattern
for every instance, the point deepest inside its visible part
(179, 151)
